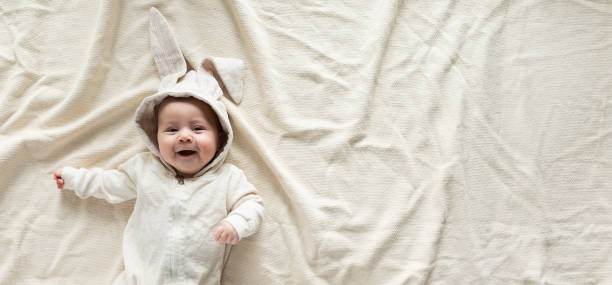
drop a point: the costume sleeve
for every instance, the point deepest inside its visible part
(244, 205)
(114, 186)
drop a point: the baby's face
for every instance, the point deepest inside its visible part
(187, 134)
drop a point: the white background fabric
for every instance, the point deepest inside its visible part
(442, 142)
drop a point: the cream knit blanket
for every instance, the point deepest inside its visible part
(394, 142)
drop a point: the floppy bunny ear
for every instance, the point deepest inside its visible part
(166, 52)
(228, 73)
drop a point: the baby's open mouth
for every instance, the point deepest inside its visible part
(186, 152)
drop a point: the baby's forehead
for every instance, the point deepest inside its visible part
(208, 112)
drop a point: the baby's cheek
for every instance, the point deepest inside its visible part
(166, 148)
(164, 155)
(208, 144)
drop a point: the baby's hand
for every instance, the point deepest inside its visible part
(57, 175)
(226, 233)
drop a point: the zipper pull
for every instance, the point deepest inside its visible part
(180, 179)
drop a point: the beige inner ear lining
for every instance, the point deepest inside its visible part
(189, 67)
(210, 66)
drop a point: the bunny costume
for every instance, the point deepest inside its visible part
(168, 238)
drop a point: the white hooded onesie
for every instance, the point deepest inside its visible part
(168, 238)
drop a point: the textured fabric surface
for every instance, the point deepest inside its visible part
(394, 142)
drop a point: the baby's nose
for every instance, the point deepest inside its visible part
(184, 138)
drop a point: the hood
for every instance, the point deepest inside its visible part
(213, 78)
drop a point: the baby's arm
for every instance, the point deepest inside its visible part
(114, 186)
(245, 206)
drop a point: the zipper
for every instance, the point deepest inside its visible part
(181, 179)
(175, 259)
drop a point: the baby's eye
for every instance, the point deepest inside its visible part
(171, 130)
(198, 128)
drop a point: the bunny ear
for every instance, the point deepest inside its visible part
(166, 52)
(228, 73)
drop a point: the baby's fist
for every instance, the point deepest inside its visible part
(57, 175)
(226, 233)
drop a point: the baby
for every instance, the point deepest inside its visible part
(184, 191)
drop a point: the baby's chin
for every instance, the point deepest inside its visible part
(187, 167)
(188, 172)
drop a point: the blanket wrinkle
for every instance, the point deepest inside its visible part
(408, 142)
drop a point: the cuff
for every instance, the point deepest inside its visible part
(239, 223)
(68, 174)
